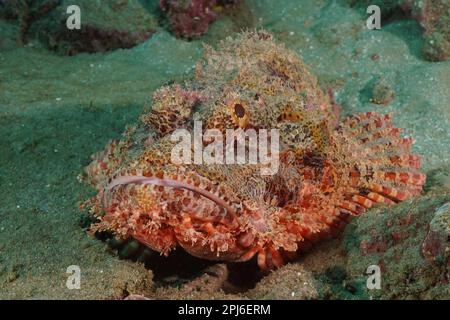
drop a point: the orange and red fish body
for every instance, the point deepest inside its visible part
(329, 169)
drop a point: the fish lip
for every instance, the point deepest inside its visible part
(166, 182)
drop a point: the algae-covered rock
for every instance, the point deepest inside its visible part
(436, 47)
(387, 6)
(192, 18)
(382, 92)
(105, 25)
(26, 12)
(408, 243)
(189, 18)
(432, 15)
(436, 246)
(8, 40)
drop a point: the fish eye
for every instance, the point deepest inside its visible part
(239, 110)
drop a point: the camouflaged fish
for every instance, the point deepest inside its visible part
(329, 168)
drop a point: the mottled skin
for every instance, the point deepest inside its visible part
(329, 169)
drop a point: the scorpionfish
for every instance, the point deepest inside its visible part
(330, 168)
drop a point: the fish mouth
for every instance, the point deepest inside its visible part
(170, 183)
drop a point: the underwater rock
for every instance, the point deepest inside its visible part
(436, 246)
(387, 6)
(127, 280)
(105, 25)
(432, 15)
(436, 47)
(408, 243)
(291, 282)
(439, 180)
(26, 12)
(8, 40)
(192, 18)
(382, 93)
(189, 18)
(7, 11)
